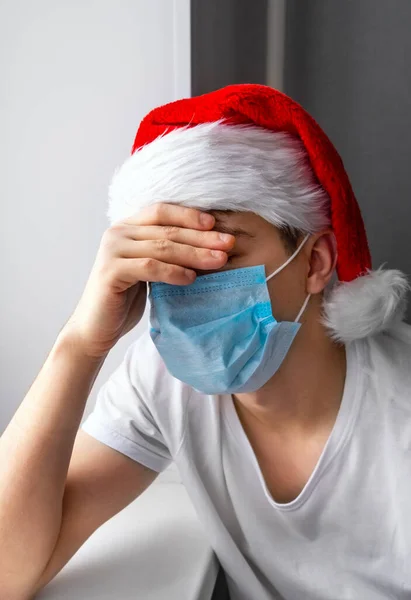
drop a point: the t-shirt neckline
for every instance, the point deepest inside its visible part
(340, 433)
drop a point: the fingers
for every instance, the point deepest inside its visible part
(182, 235)
(172, 214)
(150, 269)
(174, 253)
(163, 242)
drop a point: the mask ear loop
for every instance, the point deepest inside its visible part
(289, 259)
(302, 308)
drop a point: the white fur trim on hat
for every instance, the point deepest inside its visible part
(365, 306)
(223, 167)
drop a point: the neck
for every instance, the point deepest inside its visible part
(305, 393)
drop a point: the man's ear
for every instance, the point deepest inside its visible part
(323, 260)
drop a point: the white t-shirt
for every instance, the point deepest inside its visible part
(346, 536)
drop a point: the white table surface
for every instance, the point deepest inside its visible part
(155, 549)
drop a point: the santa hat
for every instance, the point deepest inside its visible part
(249, 147)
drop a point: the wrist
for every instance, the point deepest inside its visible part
(69, 341)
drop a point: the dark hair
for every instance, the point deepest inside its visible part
(290, 236)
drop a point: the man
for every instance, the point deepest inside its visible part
(282, 395)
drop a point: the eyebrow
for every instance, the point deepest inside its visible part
(236, 231)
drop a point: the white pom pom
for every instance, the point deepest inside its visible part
(365, 306)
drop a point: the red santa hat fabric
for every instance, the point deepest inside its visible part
(250, 147)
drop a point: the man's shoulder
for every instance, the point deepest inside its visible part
(390, 355)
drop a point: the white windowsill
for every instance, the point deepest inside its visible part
(154, 549)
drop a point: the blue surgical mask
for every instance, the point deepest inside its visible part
(218, 334)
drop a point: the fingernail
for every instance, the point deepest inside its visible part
(217, 254)
(206, 219)
(190, 274)
(225, 237)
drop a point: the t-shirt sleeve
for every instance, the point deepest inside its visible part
(124, 416)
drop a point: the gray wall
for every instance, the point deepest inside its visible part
(348, 63)
(228, 43)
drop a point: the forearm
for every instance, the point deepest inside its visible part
(35, 452)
